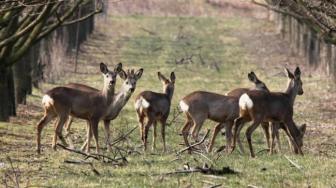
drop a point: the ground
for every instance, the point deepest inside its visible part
(224, 45)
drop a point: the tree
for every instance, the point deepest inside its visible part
(24, 23)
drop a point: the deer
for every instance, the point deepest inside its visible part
(259, 85)
(92, 106)
(155, 107)
(223, 109)
(120, 99)
(261, 106)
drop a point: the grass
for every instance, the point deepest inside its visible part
(156, 43)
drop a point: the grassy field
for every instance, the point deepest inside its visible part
(220, 62)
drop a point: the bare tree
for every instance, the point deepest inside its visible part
(24, 23)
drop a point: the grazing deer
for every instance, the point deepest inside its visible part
(119, 101)
(155, 107)
(260, 106)
(61, 102)
(201, 105)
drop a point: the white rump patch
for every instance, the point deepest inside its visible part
(245, 102)
(184, 107)
(47, 101)
(141, 103)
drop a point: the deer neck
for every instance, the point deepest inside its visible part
(291, 91)
(107, 93)
(119, 101)
(169, 92)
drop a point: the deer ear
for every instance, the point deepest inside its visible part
(252, 77)
(303, 129)
(139, 73)
(103, 68)
(172, 77)
(118, 67)
(122, 74)
(297, 72)
(289, 74)
(161, 77)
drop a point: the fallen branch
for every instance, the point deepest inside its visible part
(203, 170)
(78, 152)
(193, 145)
(98, 157)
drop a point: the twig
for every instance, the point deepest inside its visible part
(293, 163)
(201, 154)
(122, 137)
(193, 145)
(78, 152)
(218, 185)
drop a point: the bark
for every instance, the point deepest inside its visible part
(7, 100)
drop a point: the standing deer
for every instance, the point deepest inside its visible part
(61, 102)
(155, 107)
(260, 106)
(119, 101)
(201, 105)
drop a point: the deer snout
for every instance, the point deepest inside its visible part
(132, 89)
(112, 82)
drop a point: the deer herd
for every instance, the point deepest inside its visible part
(272, 110)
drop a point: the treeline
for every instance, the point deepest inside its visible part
(310, 27)
(307, 42)
(37, 37)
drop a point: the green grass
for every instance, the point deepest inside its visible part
(125, 39)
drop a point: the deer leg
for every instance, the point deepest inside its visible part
(277, 136)
(228, 135)
(94, 129)
(198, 122)
(87, 144)
(58, 130)
(154, 136)
(248, 133)
(237, 126)
(42, 123)
(265, 126)
(163, 133)
(185, 131)
(107, 134)
(141, 124)
(67, 131)
(217, 128)
(272, 131)
(145, 132)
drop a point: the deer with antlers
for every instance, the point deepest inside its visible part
(155, 107)
(261, 106)
(201, 105)
(119, 101)
(61, 102)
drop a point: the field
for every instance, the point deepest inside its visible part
(214, 53)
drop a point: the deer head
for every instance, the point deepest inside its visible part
(130, 79)
(299, 138)
(259, 85)
(110, 77)
(168, 85)
(294, 80)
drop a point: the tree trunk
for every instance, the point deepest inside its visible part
(7, 99)
(22, 79)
